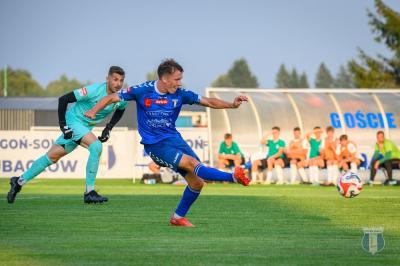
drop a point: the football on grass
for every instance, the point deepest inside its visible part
(349, 185)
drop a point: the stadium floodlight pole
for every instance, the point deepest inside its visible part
(5, 82)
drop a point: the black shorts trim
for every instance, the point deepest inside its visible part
(231, 163)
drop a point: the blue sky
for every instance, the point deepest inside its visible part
(83, 38)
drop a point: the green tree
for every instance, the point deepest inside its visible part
(343, 79)
(380, 72)
(324, 78)
(294, 79)
(62, 86)
(283, 79)
(20, 83)
(152, 75)
(303, 82)
(238, 76)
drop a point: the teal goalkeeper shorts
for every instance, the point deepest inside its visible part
(79, 131)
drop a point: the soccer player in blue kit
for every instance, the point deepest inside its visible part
(76, 130)
(158, 106)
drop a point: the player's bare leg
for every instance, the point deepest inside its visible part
(222, 163)
(254, 171)
(279, 164)
(270, 167)
(300, 166)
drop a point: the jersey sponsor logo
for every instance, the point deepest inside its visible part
(161, 101)
(159, 123)
(83, 91)
(159, 113)
(148, 102)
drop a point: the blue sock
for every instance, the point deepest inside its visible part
(36, 168)
(212, 174)
(189, 196)
(92, 165)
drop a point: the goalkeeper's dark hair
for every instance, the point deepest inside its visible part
(168, 66)
(116, 69)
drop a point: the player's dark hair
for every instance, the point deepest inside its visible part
(116, 69)
(168, 66)
(343, 137)
(380, 132)
(317, 127)
(296, 129)
(276, 128)
(330, 128)
(228, 136)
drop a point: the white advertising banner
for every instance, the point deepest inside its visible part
(122, 157)
(18, 149)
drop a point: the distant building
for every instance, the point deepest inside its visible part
(22, 113)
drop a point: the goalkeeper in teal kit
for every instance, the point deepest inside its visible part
(76, 130)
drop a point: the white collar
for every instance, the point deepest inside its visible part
(156, 89)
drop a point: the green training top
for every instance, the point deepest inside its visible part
(233, 149)
(273, 147)
(388, 152)
(314, 147)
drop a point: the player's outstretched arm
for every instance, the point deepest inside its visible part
(111, 98)
(220, 104)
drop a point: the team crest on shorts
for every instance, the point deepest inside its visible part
(373, 241)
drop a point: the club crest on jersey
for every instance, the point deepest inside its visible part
(148, 102)
(162, 101)
(82, 91)
(175, 101)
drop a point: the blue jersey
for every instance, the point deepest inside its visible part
(157, 112)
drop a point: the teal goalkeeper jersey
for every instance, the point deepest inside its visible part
(86, 98)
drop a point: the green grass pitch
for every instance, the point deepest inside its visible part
(257, 225)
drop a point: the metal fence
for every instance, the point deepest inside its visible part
(16, 119)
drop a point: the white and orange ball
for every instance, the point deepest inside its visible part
(349, 185)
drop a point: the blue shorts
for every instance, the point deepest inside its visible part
(168, 153)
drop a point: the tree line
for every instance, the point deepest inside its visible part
(21, 83)
(364, 72)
